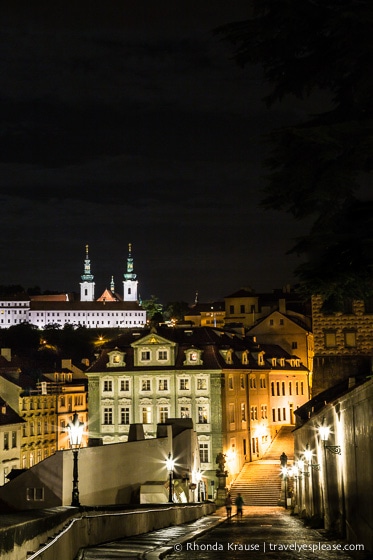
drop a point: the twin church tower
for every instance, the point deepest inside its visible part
(87, 285)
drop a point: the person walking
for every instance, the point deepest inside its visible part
(228, 506)
(239, 504)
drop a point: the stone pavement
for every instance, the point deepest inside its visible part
(263, 533)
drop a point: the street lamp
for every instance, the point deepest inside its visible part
(75, 428)
(324, 432)
(170, 463)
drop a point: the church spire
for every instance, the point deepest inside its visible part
(87, 286)
(130, 282)
(112, 285)
(87, 276)
(129, 275)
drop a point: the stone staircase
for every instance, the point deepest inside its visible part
(259, 482)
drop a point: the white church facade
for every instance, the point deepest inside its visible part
(110, 310)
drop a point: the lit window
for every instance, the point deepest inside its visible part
(184, 384)
(146, 413)
(202, 415)
(162, 384)
(145, 355)
(201, 384)
(145, 385)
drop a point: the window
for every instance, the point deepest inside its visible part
(284, 413)
(163, 413)
(204, 452)
(146, 413)
(231, 309)
(162, 384)
(263, 409)
(281, 321)
(243, 412)
(202, 414)
(185, 411)
(6, 440)
(272, 388)
(350, 339)
(278, 388)
(78, 400)
(231, 413)
(230, 382)
(283, 388)
(296, 388)
(162, 354)
(279, 414)
(201, 384)
(330, 339)
(242, 382)
(184, 384)
(108, 385)
(301, 388)
(254, 413)
(294, 345)
(35, 494)
(290, 388)
(242, 309)
(252, 382)
(262, 382)
(125, 415)
(145, 355)
(146, 385)
(124, 384)
(273, 415)
(108, 416)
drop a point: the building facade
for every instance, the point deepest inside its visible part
(221, 381)
(343, 342)
(10, 441)
(110, 310)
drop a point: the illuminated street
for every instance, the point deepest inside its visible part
(264, 532)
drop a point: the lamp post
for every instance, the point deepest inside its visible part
(314, 467)
(199, 478)
(75, 428)
(170, 463)
(324, 432)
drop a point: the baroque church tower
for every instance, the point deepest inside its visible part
(87, 286)
(130, 282)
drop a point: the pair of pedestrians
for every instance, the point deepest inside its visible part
(238, 503)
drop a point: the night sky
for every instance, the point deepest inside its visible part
(128, 122)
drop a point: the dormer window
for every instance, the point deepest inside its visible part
(116, 359)
(282, 362)
(261, 359)
(227, 355)
(193, 357)
(245, 357)
(274, 362)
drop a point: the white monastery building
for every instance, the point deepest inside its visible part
(110, 310)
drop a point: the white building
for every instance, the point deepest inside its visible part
(110, 310)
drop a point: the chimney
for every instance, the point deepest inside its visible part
(282, 305)
(351, 382)
(7, 354)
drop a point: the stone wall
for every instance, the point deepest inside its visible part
(63, 533)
